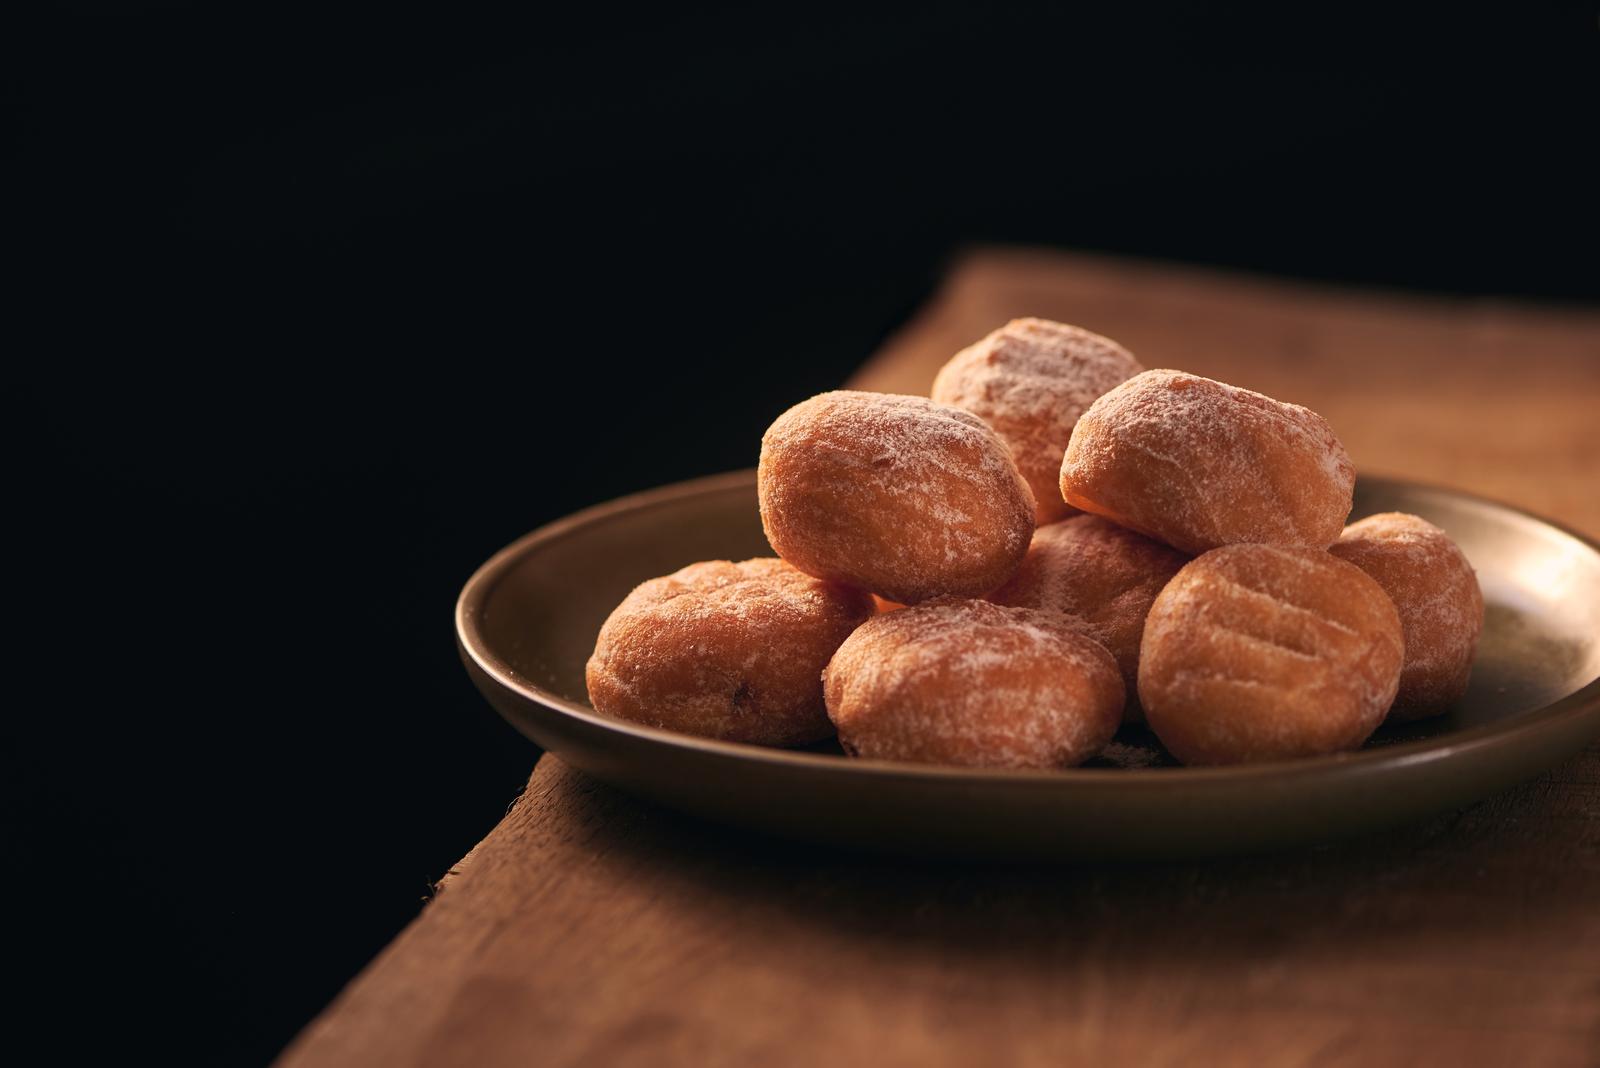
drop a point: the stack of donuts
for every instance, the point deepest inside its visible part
(1055, 544)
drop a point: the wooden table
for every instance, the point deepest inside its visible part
(592, 929)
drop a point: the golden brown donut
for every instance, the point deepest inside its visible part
(725, 650)
(1440, 604)
(1199, 464)
(1031, 380)
(1261, 652)
(897, 495)
(1101, 575)
(955, 681)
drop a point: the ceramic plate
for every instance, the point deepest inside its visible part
(526, 623)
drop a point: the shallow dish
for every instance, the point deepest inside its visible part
(527, 620)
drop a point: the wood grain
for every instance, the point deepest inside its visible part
(592, 929)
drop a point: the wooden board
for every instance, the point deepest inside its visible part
(592, 929)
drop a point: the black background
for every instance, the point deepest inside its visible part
(321, 305)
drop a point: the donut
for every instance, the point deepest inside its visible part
(896, 495)
(1031, 380)
(725, 650)
(1101, 575)
(966, 682)
(1436, 592)
(1265, 652)
(1200, 464)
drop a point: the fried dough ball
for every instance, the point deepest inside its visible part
(1261, 652)
(1436, 592)
(1199, 464)
(897, 495)
(1102, 575)
(725, 650)
(966, 682)
(1031, 380)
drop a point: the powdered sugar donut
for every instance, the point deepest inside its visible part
(1101, 575)
(897, 495)
(1199, 464)
(1436, 592)
(967, 682)
(725, 650)
(1261, 652)
(1031, 380)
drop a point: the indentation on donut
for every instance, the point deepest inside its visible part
(1265, 641)
(1284, 603)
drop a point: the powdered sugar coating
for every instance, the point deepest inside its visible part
(1436, 592)
(1031, 380)
(1103, 577)
(1199, 464)
(966, 682)
(897, 495)
(1260, 652)
(725, 650)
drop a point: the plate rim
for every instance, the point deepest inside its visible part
(1582, 703)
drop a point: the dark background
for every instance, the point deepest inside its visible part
(321, 305)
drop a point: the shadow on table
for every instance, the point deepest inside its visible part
(594, 928)
(1526, 862)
